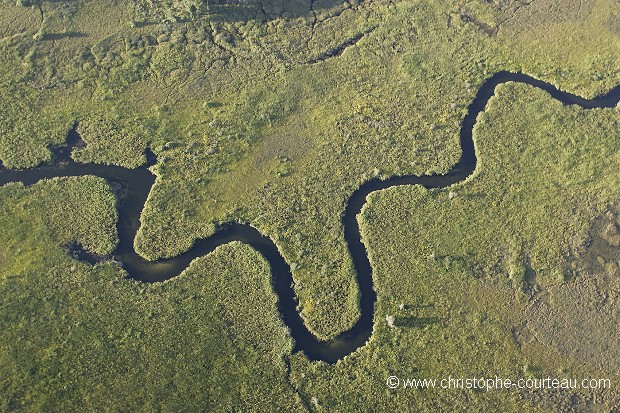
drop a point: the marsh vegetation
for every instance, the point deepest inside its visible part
(222, 101)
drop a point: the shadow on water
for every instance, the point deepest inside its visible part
(136, 185)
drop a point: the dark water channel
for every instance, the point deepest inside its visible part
(136, 184)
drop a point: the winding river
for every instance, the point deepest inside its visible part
(136, 185)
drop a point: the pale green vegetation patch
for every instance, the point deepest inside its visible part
(56, 212)
(110, 142)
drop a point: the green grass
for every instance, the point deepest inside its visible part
(82, 338)
(245, 128)
(545, 171)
